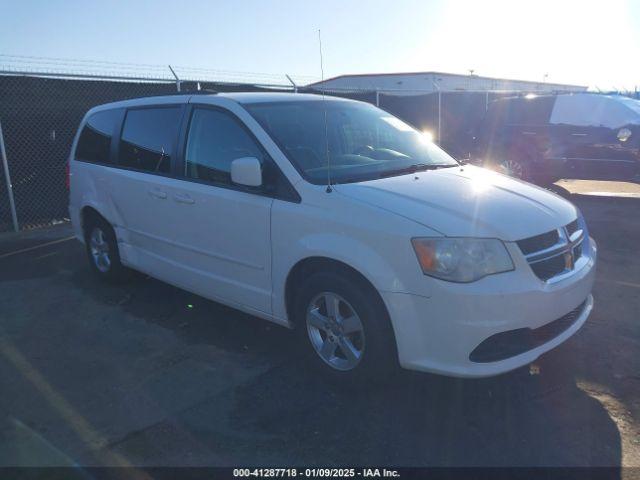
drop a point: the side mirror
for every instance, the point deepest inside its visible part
(246, 171)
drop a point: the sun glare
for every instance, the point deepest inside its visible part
(494, 38)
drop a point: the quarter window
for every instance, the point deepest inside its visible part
(148, 138)
(215, 140)
(94, 144)
(578, 110)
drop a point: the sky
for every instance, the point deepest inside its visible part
(593, 43)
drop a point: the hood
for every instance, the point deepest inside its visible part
(467, 201)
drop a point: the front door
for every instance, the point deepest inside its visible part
(222, 230)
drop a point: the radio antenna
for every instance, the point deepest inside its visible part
(326, 128)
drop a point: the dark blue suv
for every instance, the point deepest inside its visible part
(544, 138)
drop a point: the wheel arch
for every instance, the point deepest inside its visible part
(88, 213)
(315, 264)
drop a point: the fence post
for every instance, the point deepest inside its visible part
(377, 97)
(439, 117)
(5, 166)
(437, 87)
(176, 77)
(295, 87)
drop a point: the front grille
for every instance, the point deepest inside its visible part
(553, 253)
(577, 251)
(514, 342)
(539, 242)
(549, 268)
(572, 227)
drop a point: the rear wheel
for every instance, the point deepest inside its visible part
(102, 250)
(344, 328)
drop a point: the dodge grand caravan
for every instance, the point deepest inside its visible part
(334, 218)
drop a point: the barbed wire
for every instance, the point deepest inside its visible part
(88, 68)
(97, 68)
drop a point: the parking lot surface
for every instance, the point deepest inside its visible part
(146, 374)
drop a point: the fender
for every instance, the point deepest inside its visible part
(359, 256)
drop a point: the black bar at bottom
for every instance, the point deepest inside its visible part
(215, 473)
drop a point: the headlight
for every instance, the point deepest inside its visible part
(461, 259)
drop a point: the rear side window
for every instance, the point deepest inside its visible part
(577, 110)
(215, 140)
(94, 144)
(149, 137)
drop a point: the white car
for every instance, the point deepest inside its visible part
(335, 218)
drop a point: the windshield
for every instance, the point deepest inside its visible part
(363, 142)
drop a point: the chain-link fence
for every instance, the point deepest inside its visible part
(39, 118)
(40, 113)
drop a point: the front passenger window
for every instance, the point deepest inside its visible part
(215, 140)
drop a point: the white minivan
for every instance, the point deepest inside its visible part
(337, 219)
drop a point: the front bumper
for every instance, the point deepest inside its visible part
(438, 333)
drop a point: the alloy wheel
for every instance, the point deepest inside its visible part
(99, 247)
(335, 331)
(512, 168)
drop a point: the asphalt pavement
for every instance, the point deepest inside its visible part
(146, 374)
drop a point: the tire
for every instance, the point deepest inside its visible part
(102, 251)
(515, 167)
(355, 347)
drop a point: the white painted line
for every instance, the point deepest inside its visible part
(24, 250)
(611, 194)
(46, 255)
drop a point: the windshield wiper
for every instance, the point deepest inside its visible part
(416, 167)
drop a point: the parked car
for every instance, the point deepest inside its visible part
(337, 219)
(544, 138)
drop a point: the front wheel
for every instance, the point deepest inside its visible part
(344, 328)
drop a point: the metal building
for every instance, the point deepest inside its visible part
(425, 82)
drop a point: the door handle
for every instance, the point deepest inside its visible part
(158, 194)
(183, 198)
(578, 134)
